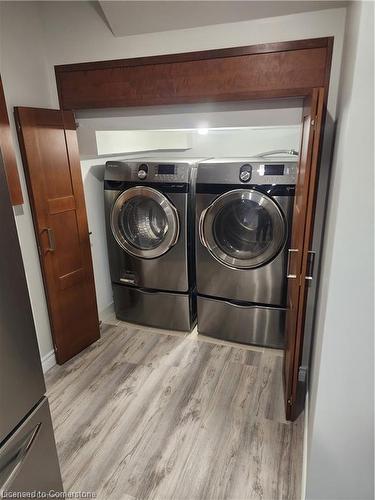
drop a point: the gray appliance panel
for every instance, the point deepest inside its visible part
(166, 310)
(21, 377)
(167, 272)
(128, 170)
(263, 326)
(264, 285)
(227, 172)
(28, 459)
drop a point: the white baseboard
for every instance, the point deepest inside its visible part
(48, 361)
(305, 444)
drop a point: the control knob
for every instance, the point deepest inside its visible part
(245, 175)
(142, 174)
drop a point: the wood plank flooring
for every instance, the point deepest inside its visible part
(146, 414)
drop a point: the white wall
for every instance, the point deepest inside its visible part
(74, 32)
(26, 83)
(341, 452)
(93, 176)
(281, 114)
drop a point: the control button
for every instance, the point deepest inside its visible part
(142, 171)
(245, 172)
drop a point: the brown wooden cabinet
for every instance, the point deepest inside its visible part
(7, 151)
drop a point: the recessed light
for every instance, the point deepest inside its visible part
(203, 131)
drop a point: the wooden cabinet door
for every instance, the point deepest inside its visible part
(302, 229)
(51, 161)
(7, 152)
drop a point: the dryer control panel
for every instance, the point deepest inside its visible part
(251, 171)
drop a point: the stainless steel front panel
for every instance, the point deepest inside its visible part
(28, 459)
(128, 170)
(21, 377)
(248, 324)
(166, 310)
(226, 171)
(264, 285)
(166, 272)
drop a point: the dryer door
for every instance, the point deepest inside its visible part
(144, 222)
(243, 229)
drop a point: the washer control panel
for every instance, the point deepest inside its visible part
(163, 172)
(149, 171)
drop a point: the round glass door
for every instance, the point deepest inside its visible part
(243, 229)
(144, 222)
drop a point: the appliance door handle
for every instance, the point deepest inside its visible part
(310, 265)
(9, 466)
(200, 227)
(290, 251)
(175, 239)
(51, 239)
(248, 307)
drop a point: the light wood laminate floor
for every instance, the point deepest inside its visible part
(147, 414)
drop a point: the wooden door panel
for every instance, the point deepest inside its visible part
(51, 161)
(7, 152)
(68, 250)
(61, 204)
(300, 243)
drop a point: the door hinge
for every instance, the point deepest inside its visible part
(290, 401)
(312, 123)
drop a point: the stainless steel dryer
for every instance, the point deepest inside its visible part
(149, 223)
(244, 214)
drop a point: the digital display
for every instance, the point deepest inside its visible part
(274, 169)
(166, 169)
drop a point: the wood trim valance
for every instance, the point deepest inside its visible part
(286, 69)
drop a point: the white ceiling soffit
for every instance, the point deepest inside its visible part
(136, 17)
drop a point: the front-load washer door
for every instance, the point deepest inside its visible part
(144, 222)
(243, 229)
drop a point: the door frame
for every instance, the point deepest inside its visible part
(292, 69)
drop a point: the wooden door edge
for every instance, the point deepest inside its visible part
(294, 409)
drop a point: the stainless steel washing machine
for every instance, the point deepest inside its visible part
(244, 215)
(150, 220)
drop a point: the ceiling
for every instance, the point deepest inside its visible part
(136, 17)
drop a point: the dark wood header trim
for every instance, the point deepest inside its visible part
(275, 70)
(263, 48)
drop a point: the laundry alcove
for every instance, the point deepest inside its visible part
(222, 130)
(289, 70)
